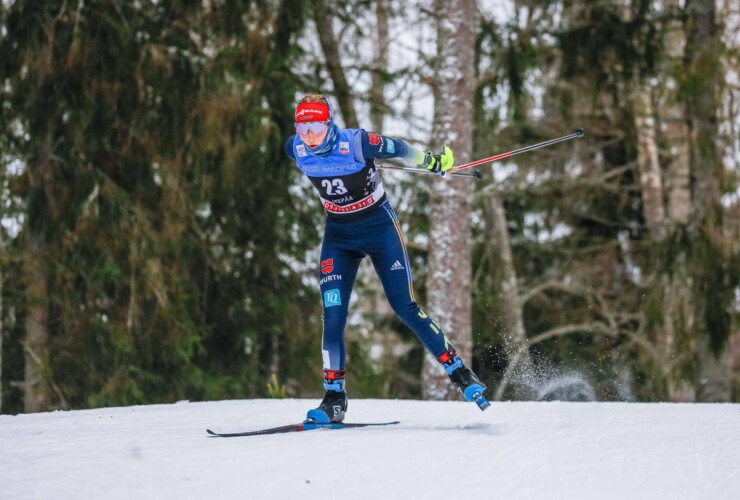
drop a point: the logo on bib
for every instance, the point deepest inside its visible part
(344, 148)
(301, 150)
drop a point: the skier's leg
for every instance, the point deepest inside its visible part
(392, 265)
(337, 274)
(391, 262)
(336, 278)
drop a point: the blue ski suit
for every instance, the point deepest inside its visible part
(361, 222)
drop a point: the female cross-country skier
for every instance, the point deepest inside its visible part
(361, 222)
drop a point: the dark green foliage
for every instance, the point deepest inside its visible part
(608, 48)
(149, 131)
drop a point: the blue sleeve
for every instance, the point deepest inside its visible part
(381, 146)
(289, 147)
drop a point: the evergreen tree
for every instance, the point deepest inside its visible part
(157, 218)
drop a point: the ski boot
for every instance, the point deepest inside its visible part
(463, 378)
(334, 404)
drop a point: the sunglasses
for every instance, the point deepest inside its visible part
(315, 127)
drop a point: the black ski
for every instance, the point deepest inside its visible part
(306, 426)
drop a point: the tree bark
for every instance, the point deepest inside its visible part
(1, 333)
(712, 293)
(380, 66)
(36, 394)
(675, 326)
(330, 47)
(673, 114)
(515, 337)
(651, 182)
(449, 259)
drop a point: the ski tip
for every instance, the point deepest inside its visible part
(580, 132)
(209, 431)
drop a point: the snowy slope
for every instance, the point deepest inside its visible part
(440, 450)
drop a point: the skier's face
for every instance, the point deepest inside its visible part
(313, 133)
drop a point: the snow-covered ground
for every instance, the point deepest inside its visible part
(445, 450)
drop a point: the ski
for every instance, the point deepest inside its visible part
(306, 426)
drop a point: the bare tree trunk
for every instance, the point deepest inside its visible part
(330, 47)
(449, 279)
(676, 132)
(1, 333)
(36, 394)
(712, 296)
(380, 66)
(673, 284)
(679, 317)
(515, 337)
(729, 16)
(673, 328)
(651, 182)
(677, 170)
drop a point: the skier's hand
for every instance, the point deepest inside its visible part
(440, 163)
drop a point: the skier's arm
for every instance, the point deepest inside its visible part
(383, 147)
(380, 146)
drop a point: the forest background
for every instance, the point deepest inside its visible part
(156, 244)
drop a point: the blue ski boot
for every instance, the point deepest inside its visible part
(463, 378)
(334, 404)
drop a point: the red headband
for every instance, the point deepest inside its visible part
(312, 112)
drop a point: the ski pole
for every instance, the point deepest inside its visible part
(418, 170)
(476, 175)
(578, 133)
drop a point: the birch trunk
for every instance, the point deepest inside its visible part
(673, 285)
(449, 278)
(674, 121)
(673, 329)
(651, 182)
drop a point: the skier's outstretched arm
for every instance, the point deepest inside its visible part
(383, 147)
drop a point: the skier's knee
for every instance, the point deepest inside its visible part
(405, 309)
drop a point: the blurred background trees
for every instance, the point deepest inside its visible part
(156, 244)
